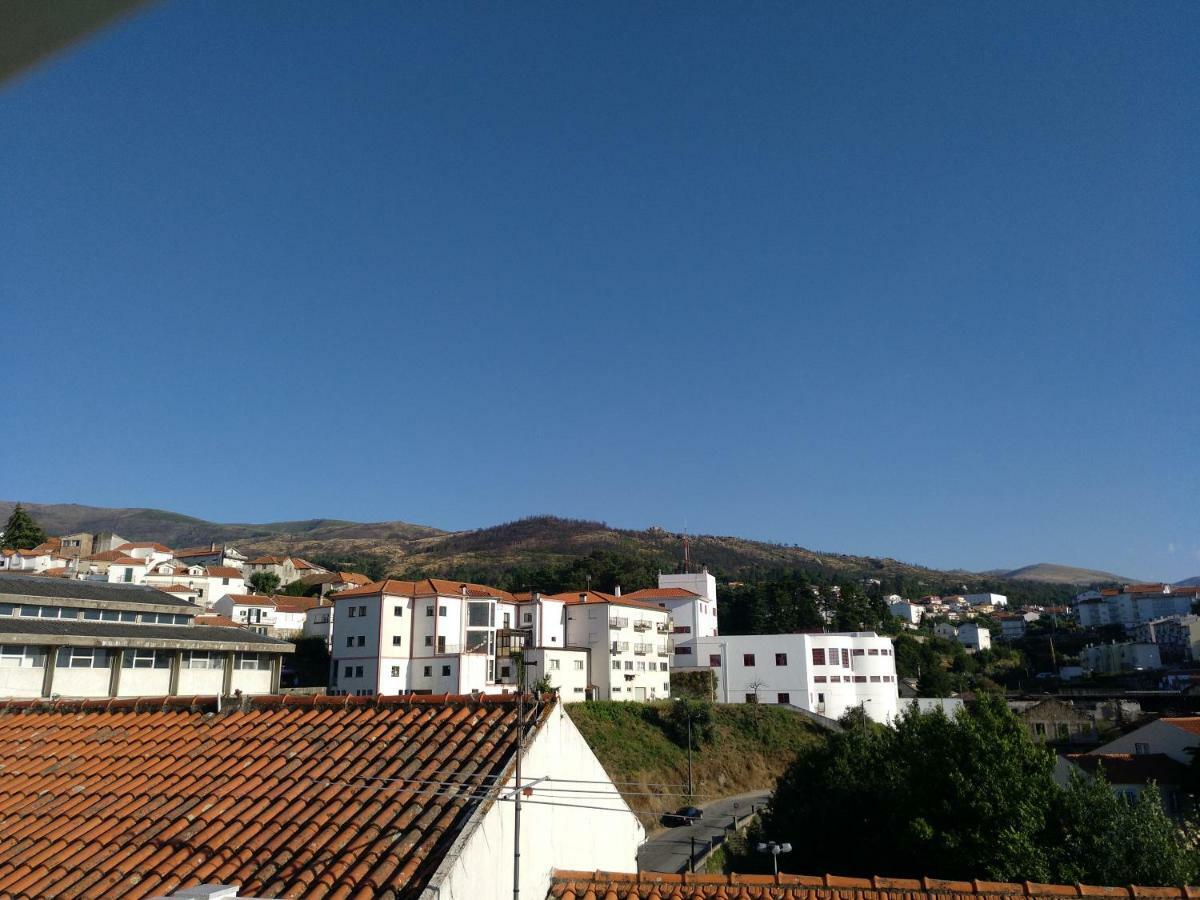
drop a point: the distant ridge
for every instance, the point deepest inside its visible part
(537, 541)
(1052, 573)
(1194, 581)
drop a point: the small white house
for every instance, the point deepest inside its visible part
(906, 611)
(996, 600)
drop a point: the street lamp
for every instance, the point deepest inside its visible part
(774, 849)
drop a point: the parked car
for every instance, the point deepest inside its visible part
(684, 816)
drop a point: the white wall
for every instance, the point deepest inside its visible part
(25, 681)
(558, 836)
(1160, 737)
(80, 682)
(249, 681)
(143, 682)
(201, 681)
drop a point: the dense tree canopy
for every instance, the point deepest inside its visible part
(264, 582)
(970, 797)
(21, 532)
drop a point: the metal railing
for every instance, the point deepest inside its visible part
(620, 646)
(663, 628)
(618, 622)
(641, 625)
(642, 649)
(664, 649)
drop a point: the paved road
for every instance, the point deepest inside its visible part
(668, 850)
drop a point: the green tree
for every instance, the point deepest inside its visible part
(21, 532)
(264, 582)
(699, 712)
(310, 663)
(934, 682)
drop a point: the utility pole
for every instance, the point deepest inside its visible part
(520, 749)
(690, 794)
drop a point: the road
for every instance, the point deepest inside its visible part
(668, 850)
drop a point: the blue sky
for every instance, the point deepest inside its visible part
(918, 281)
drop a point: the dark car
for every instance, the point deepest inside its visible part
(683, 816)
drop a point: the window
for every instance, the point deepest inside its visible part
(428, 671)
(6, 609)
(362, 641)
(146, 659)
(251, 662)
(785, 698)
(616, 664)
(781, 659)
(875, 678)
(441, 611)
(527, 618)
(751, 698)
(395, 671)
(819, 679)
(354, 612)
(858, 651)
(859, 679)
(362, 612)
(445, 670)
(874, 651)
(441, 648)
(1141, 749)
(84, 658)
(747, 659)
(349, 671)
(203, 659)
(1064, 730)
(22, 657)
(714, 659)
(429, 610)
(578, 665)
(397, 610)
(820, 698)
(358, 671)
(480, 614)
(683, 651)
(395, 640)
(505, 671)
(683, 629)
(1039, 728)
(629, 664)
(553, 664)
(224, 581)
(818, 656)
(837, 679)
(429, 640)
(128, 575)
(349, 640)
(845, 658)
(641, 666)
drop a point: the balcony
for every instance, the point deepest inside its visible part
(641, 625)
(642, 649)
(618, 623)
(663, 628)
(664, 649)
(620, 646)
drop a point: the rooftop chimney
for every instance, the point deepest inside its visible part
(617, 591)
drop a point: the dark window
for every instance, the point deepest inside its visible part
(819, 679)
(748, 660)
(445, 670)
(362, 641)
(683, 651)
(860, 679)
(429, 610)
(397, 610)
(683, 629)
(428, 671)
(714, 659)
(358, 671)
(350, 641)
(429, 640)
(349, 671)
(874, 651)
(396, 640)
(785, 698)
(858, 651)
(441, 643)
(781, 659)
(845, 658)
(441, 610)
(818, 656)
(752, 698)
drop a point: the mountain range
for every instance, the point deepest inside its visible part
(540, 540)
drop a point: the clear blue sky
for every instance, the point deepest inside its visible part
(909, 280)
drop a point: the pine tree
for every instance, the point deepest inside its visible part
(21, 532)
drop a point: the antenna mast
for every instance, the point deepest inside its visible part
(687, 553)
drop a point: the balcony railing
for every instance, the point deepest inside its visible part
(620, 646)
(641, 625)
(618, 622)
(662, 628)
(642, 649)
(664, 649)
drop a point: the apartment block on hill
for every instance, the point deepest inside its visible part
(1133, 604)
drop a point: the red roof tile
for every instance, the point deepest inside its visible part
(567, 885)
(574, 598)
(222, 572)
(426, 587)
(1190, 724)
(285, 796)
(1132, 768)
(661, 593)
(144, 545)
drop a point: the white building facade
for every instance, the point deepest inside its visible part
(826, 674)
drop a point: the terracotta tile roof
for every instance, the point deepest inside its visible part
(567, 885)
(222, 572)
(575, 598)
(1190, 724)
(175, 589)
(426, 587)
(315, 797)
(284, 603)
(335, 578)
(661, 593)
(268, 561)
(250, 599)
(128, 561)
(197, 551)
(144, 545)
(214, 619)
(106, 556)
(1131, 768)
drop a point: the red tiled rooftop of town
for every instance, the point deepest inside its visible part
(222, 572)
(572, 598)
(426, 587)
(1190, 724)
(670, 593)
(1131, 768)
(144, 545)
(314, 797)
(566, 885)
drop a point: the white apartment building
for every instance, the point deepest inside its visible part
(1177, 637)
(822, 673)
(210, 582)
(996, 600)
(971, 635)
(628, 642)
(71, 638)
(1133, 605)
(1110, 659)
(438, 636)
(286, 568)
(691, 599)
(906, 611)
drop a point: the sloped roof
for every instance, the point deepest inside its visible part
(567, 885)
(13, 584)
(426, 587)
(573, 598)
(286, 603)
(14, 629)
(1190, 724)
(670, 593)
(1131, 768)
(144, 545)
(222, 572)
(313, 797)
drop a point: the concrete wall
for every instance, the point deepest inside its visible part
(81, 682)
(250, 681)
(201, 681)
(21, 682)
(555, 832)
(142, 682)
